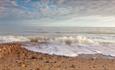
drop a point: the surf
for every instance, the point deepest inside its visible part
(70, 46)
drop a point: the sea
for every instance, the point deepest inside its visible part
(62, 41)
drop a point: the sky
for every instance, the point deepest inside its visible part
(82, 13)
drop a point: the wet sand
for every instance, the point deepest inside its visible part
(13, 57)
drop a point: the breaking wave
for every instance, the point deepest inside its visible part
(70, 46)
(11, 39)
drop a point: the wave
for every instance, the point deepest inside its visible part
(10, 39)
(68, 40)
(79, 39)
(73, 46)
(70, 46)
(70, 51)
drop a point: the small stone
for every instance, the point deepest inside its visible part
(23, 65)
(0, 50)
(37, 69)
(72, 66)
(47, 62)
(0, 56)
(33, 57)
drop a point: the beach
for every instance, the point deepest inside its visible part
(14, 57)
(57, 35)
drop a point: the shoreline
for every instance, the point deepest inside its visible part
(14, 57)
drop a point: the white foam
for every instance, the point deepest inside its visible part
(70, 46)
(51, 49)
(71, 51)
(9, 39)
(73, 40)
(73, 46)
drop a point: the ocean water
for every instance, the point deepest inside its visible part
(63, 41)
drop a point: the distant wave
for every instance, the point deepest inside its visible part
(71, 46)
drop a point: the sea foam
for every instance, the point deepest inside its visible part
(10, 39)
(73, 46)
(70, 46)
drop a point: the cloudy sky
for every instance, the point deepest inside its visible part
(58, 12)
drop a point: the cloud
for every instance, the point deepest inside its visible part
(86, 21)
(58, 12)
(37, 9)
